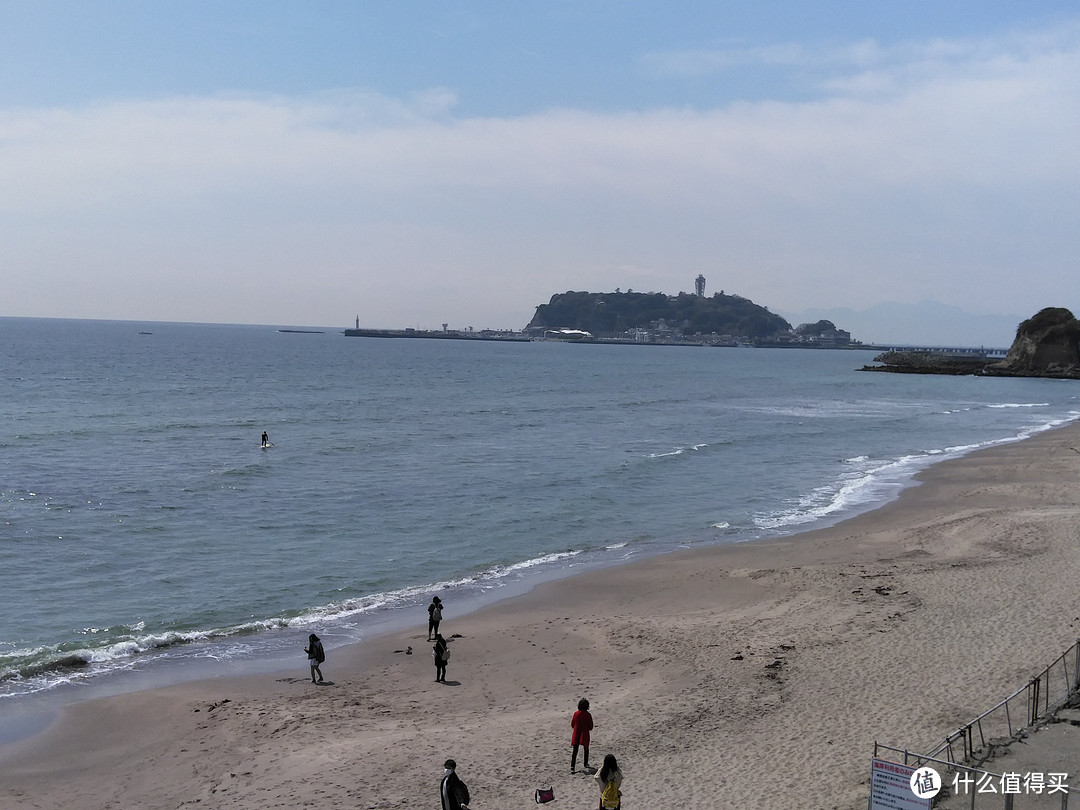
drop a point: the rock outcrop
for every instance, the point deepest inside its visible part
(1046, 345)
(927, 362)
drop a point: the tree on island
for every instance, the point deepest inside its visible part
(822, 327)
(616, 312)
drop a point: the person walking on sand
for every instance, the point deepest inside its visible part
(434, 612)
(441, 655)
(609, 778)
(581, 723)
(315, 656)
(454, 794)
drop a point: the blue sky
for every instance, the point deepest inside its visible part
(430, 162)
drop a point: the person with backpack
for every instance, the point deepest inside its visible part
(609, 778)
(454, 793)
(581, 725)
(315, 656)
(434, 611)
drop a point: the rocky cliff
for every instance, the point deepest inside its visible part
(1046, 345)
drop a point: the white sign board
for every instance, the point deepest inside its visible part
(890, 787)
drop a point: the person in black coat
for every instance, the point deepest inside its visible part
(441, 655)
(455, 796)
(316, 656)
(434, 611)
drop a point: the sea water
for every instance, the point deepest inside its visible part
(143, 527)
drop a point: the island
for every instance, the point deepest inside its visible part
(686, 319)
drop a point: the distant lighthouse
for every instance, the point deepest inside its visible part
(357, 321)
(699, 285)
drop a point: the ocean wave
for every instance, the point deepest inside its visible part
(46, 667)
(846, 493)
(41, 668)
(876, 483)
(679, 451)
(831, 409)
(63, 660)
(486, 579)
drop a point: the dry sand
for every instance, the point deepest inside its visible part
(753, 676)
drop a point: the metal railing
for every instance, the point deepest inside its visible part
(971, 796)
(1039, 699)
(973, 744)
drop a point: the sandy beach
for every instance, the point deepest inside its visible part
(749, 676)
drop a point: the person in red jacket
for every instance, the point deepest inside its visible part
(581, 723)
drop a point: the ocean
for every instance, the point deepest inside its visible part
(146, 537)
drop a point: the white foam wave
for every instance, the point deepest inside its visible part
(877, 483)
(486, 580)
(679, 451)
(44, 668)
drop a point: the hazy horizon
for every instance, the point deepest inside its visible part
(427, 163)
(883, 324)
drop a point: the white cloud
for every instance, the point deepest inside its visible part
(943, 171)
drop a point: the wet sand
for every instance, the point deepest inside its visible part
(750, 676)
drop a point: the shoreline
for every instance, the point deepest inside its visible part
(34, 711)
(204, 660)
(718, 675)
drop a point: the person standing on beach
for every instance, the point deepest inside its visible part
(316, 656)
(441, 655)
(434, 612)
(609, 778)
(581, 724)
(454, 794)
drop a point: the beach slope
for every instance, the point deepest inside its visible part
(752, 676)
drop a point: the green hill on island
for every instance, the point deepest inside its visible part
(615, 313)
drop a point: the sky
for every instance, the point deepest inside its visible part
(418, 163)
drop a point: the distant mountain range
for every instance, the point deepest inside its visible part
(928, 323)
